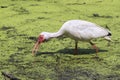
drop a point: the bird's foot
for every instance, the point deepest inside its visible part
(33, 54)
(96, 57)
(75, 53)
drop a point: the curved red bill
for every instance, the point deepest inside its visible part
(37, 44)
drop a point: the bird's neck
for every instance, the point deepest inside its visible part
(56, 34)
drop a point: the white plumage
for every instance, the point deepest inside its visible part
(79, 30)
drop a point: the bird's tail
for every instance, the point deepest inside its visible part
(108, 37)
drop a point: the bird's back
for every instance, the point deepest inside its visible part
(83, 30)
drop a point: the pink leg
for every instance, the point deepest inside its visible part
(94, 47)
(75, 52)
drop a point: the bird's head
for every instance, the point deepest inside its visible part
(44, 36)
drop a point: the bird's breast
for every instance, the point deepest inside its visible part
(74, 35)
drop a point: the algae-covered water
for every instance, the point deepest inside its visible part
(21, 21)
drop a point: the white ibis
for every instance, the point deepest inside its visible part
(79, 30)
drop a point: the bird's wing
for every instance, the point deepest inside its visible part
(84, 30)
(94, 32)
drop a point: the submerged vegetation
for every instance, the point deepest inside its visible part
(21, 21)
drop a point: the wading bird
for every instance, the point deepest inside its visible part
(79, 30)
